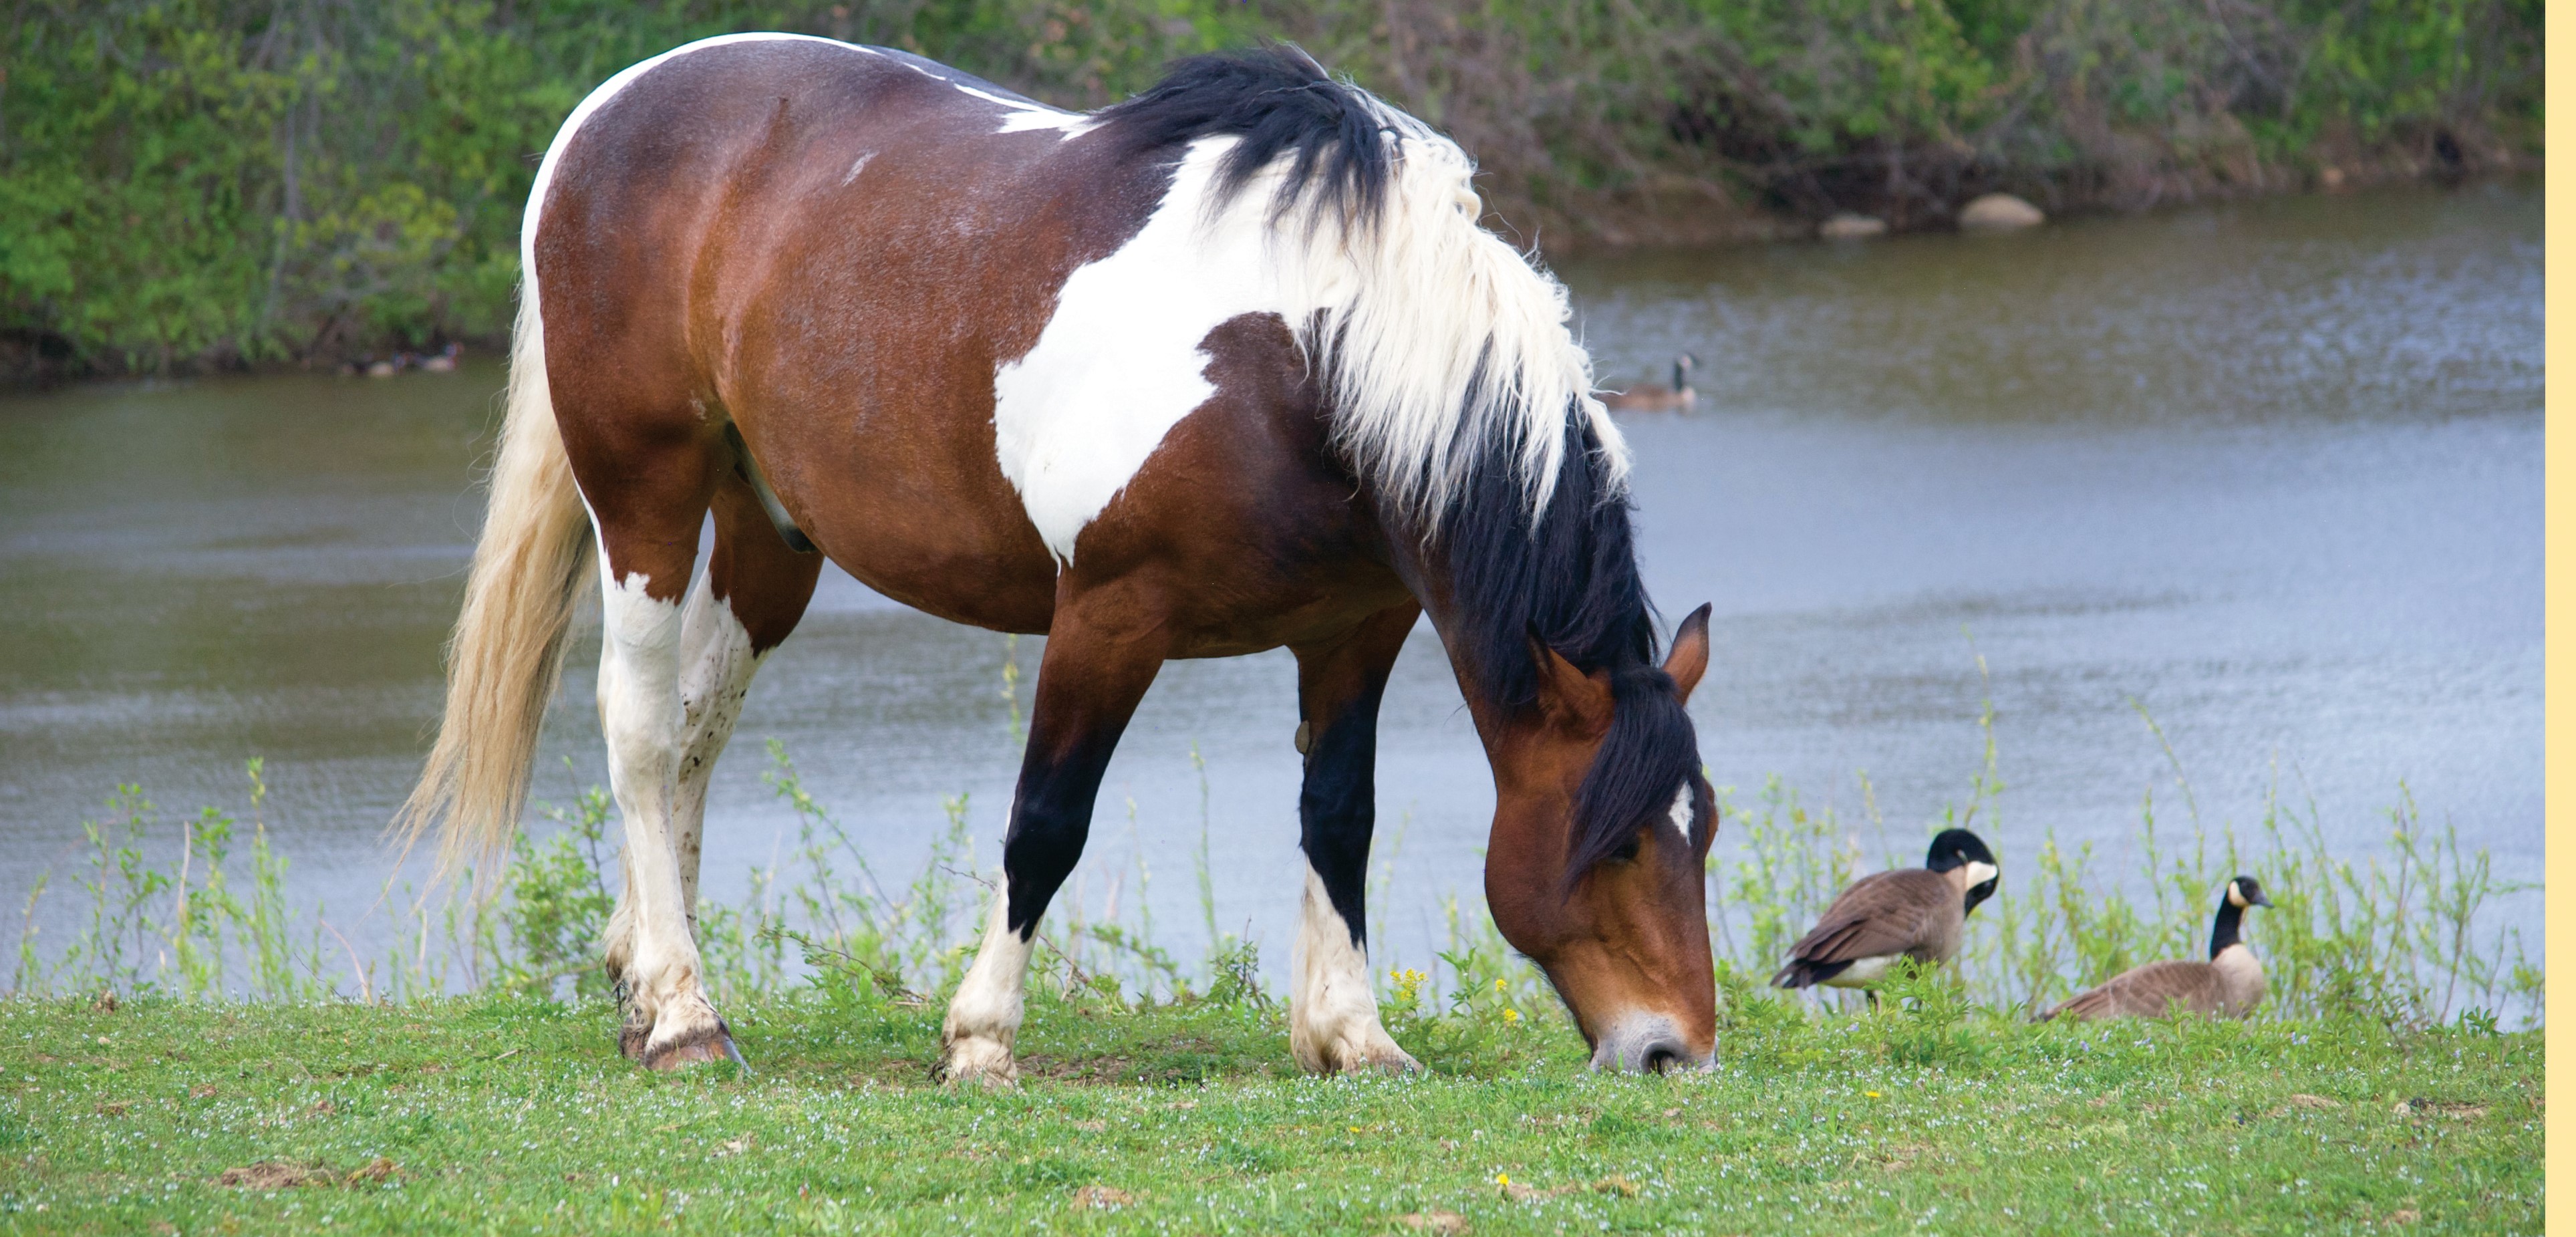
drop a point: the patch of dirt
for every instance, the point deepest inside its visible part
(115, 1108)
(2315, 1102)
(1892, 1158)
(286, 1175)
(1433, 1221)
(374, 1172)
(202, 1091)
(276, 1175)
(1092, 1127)
(2457, 1110)
(1615, 1183)
(735, 1146)
(321, 1108)
(1101, 1198)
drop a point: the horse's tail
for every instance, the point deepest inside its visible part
(506, 657)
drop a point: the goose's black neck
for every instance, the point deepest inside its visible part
(1681, 378)
(2222, 933)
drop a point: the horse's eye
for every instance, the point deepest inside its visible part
(1627, 852)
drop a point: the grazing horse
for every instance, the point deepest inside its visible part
(1225, 367)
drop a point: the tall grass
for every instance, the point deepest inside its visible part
(2396, 933)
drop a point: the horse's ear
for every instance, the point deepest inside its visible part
(1566, 694)
(1689, 658)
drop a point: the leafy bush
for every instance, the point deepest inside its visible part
(195, 183)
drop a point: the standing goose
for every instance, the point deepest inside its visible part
(1910, 912)
(2230, 984)
(1648, 397)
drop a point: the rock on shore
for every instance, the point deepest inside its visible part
(1999, 212)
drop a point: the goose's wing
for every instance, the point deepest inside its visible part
(2146, 992)
(1888, 913)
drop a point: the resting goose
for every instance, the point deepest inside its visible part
(2230, 984)
(1648, 397)
(1911, 912)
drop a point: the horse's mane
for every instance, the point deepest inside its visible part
(1457, 392)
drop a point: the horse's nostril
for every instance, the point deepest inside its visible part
(1662, 1056)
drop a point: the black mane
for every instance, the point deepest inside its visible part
(1568, 577)
(1279, 101)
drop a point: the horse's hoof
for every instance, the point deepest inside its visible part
(696, 1046)
(694, 1050)
(1391, 1060)
(1362, 1057)
(977, 1061)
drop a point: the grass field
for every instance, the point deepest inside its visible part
(490, 1115)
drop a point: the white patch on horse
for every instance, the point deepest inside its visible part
(1333, 1024)
(1024, 119)
(855, 166)
(1025, 115)
(646, 726)
(1681, 813)
(716, 667)
(1120, 362)
(1413, 313)
(984, 1017)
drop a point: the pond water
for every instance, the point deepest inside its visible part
(2269, 473)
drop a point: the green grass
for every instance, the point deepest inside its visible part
(489, 1114)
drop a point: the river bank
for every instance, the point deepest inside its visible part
(215, 184)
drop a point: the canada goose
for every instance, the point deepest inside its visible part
(2229, 984)
(1911, 912)
(1647, 397)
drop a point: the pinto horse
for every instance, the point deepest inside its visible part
(1225, 367)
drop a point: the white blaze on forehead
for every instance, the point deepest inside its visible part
(1681, 813)
(1120, 363)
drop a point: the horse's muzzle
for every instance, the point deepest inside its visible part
(1647, 1043)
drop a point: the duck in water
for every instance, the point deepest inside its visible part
(1648, 397)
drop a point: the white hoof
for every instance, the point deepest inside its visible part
(1363, 1050)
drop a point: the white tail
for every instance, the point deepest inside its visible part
(506, 658)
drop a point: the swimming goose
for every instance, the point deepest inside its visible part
(2230, 984)
(1911, 912)
(1651, 398)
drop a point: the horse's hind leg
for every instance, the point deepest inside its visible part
(648, 481)
(746, 603)
(1102, 652)
(754, 592)
(1333, 1024)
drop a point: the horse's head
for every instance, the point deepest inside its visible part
(1602, 822)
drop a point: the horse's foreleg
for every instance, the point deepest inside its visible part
(1333, 1024)
(1098, 664)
